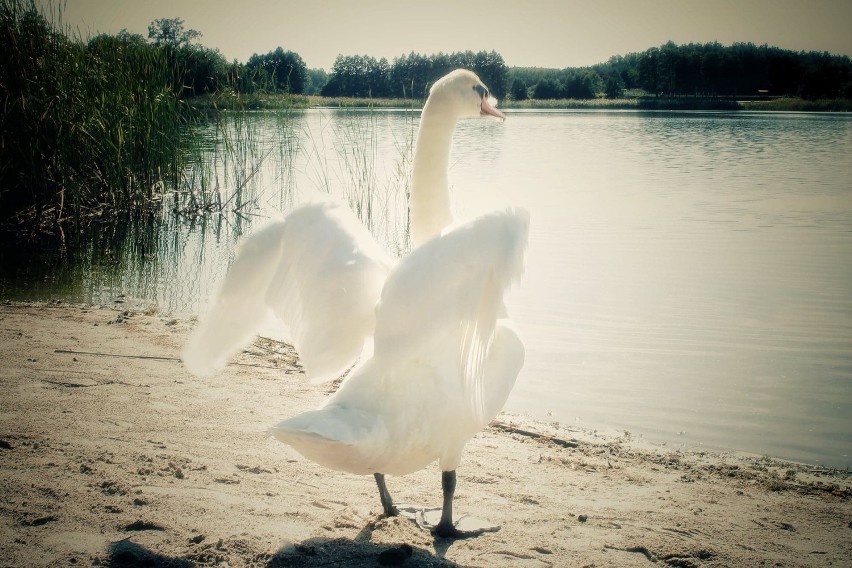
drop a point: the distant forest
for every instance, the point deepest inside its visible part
(409, 76)
(707, 70)
(671, 70)
(699, 70)
(692, 70)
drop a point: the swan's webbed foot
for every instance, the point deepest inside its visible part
(439, 522)
(448, 530)
(466, 527)
(387, 502)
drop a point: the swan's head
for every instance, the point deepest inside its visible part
(464, 94)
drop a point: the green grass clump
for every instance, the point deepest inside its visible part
(87, 126)
(631, 103)
(795, 104)
(571, 104)
(687, 103)
(230, 100)
(364, 102)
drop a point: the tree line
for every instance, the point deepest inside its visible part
(709, 69)
(700, 70)
(201, 70)
(671, 70)
(198, 70)
(411, 75)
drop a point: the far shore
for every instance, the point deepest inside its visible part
(262, 101)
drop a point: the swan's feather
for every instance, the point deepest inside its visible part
(452, 284)
(319, 271)
(339, 437)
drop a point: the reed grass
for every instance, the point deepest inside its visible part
(633, 103)
(87, 127)
(341, 156)
(570, 104)
(363, 103)
(231, 100)
(794, 104)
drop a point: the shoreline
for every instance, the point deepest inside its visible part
(113, 455)
(267, 101)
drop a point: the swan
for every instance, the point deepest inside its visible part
(436, 354)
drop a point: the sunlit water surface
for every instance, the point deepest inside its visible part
(689, 275)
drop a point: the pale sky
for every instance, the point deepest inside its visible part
(543, 33)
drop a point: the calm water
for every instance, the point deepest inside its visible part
(689, 276)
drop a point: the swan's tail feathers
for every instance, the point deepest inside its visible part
(338, 438)
(454, 283)
(238, 308)
(319, 271)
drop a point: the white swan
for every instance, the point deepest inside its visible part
(437, 356)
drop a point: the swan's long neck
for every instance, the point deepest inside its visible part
(429, 203)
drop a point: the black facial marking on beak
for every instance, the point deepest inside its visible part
(482, 91)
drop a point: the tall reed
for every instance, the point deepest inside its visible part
(377, 193)
(87, 127)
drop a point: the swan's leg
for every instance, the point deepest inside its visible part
(384, 495)
(445, 527)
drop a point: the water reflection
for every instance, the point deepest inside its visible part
(688, 276)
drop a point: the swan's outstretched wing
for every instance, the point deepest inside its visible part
(452, 284)
(319, 271)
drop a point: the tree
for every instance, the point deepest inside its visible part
(202, 70)
(581, 84)
(130, 38)
(169, 32)
(358, 76)
(649, 71)
(614, 88)
(279, 70)
(239, 78)
(378, 77)
(197, 69)
(547, 89)
(520, 91)
(410, 76)
(824, 78)
(317, 78)
(785, 73)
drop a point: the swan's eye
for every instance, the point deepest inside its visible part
(481, 91)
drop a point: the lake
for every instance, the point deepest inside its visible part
(689, 275)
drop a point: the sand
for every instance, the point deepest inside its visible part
(113, 455)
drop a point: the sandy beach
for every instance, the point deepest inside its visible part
(112, 454)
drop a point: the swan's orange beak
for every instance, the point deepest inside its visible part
(486, 108)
